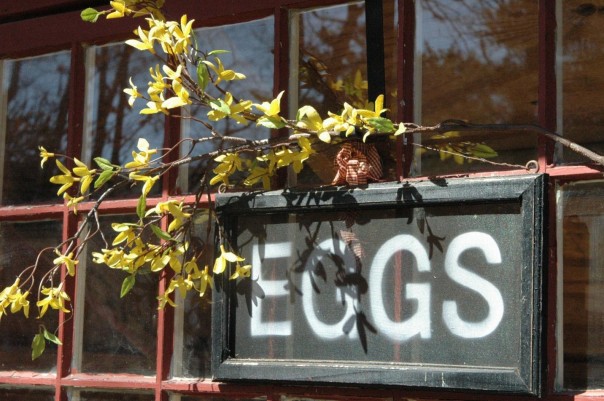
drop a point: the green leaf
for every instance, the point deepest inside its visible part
(203, 76)
(51, 337)
(220, 105)
(103, 178)
(90, 15)
(104, 164)
(141, 207)
(381, 124)
(127, 285)
(161, 234)
(272, 122)
(37, 346)
(215, 52)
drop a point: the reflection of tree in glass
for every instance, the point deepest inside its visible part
(479, 61)
(116, 126)
(479, 64)
(583, 72)
(37, 116)
(333, 70)
(332, 48)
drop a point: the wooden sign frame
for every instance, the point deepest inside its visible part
(527, 192)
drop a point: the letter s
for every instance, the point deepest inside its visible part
(473, 281)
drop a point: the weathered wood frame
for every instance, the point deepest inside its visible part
(528, 191)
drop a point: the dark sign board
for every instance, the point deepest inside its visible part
(427, 284)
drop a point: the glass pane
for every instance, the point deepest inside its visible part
(250, 47)
(317, 279)
(195, 333)
(113, 396)
(479, 63)
(583, 74)
(19, 247)
(332, 70)
(27, 394)
(119, 334)
(36, 91)
(115, 127)
(581, 236)
(192, 328)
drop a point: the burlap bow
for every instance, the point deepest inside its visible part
(356, 163)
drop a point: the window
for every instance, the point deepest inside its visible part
(506, 62)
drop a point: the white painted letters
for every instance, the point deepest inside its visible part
(473, 281)
(272, 288)
(419, 323)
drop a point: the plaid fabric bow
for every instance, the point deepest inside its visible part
(356, 163)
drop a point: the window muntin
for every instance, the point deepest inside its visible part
(581, 315)
(20, 243)
(34, 101)
(109, 395)
(582, 77)
(476, 61)
(329, 67)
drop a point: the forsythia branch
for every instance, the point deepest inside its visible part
(161, 240)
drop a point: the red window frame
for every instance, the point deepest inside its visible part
(31, 28)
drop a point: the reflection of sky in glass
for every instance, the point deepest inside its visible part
(250, 47)
(36, 91)
(115, 127)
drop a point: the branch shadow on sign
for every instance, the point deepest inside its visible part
(329, 251)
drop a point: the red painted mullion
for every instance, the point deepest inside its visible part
(65, 334)
(546, 107)
(281, 53)
(165, 316)
(20, 378)
(77, 84)
(405, 81)
(31, 213)
(281, 73)
(110, 381)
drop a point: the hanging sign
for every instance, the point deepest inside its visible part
(429, 284)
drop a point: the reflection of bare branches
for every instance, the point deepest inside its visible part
(37, 115)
